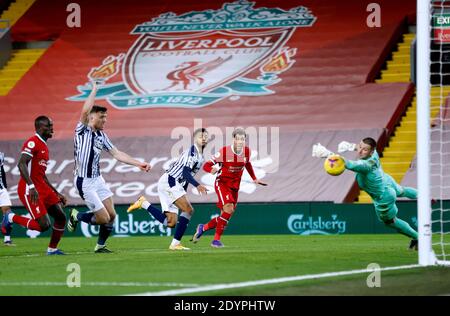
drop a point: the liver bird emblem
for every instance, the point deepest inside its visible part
(191, 72)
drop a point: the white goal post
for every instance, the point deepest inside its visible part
(433, 143)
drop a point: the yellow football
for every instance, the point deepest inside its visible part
(334, 165)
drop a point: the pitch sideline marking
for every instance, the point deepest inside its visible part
(125, 284)
(223, 286)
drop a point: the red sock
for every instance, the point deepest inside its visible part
(222, 222)
(26, 222)
(211, 224)
(58, 231)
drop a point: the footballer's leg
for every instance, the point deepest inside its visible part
(6, 226)
(144, 204)
(387, 213)
(229, 199)
(56, 211)
(222, 222)
(187, 210)
(36, 211)
(106, 227)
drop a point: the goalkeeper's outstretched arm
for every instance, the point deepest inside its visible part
(362, 166)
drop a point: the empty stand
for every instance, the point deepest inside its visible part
(326, 96)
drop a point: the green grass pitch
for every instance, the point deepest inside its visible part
(144, 264)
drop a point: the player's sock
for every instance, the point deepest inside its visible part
(87, 217)
(182, 224)
(7, 238)
(211, 224)
(25, 222)
(403, 228)
(57, 232)
(222, 222)
(160, 217)
(105, 231)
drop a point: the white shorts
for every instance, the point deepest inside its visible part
(168, 195)
(93, 191)
(4, 198)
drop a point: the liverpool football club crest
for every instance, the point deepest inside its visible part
(199, 58)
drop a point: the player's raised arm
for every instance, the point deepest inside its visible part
(88, 104)
(125, 158)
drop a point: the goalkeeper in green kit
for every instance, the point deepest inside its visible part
(381, 187)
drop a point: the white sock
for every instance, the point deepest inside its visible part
(51, 249)
(145, 204)
(175, 242)
(7, 238)
(10, 217)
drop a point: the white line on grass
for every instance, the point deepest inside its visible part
(216, 287)
(144, 251)
(125, 284)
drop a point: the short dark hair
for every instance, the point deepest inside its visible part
(239, 131)
(370, 141)
(98, 108)
(200, 130)
(42, 119)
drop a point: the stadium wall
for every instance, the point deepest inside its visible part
(325, 218)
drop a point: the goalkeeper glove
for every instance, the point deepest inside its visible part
(346, 146)
(320, 151)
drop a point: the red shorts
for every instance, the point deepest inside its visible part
(47, 198)
(225, 194)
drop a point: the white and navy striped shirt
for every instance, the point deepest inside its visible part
(88, 147)
(190, 158)
(2, 172)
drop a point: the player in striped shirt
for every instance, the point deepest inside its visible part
(228, 165)
(5, 204)
(172, 188)
(90, 140)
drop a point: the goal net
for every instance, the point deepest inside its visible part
(433, 130)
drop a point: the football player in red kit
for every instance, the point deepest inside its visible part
(228, 164)
(35, 191)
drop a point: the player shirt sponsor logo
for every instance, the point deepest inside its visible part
(299, 224)
(198, 58)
